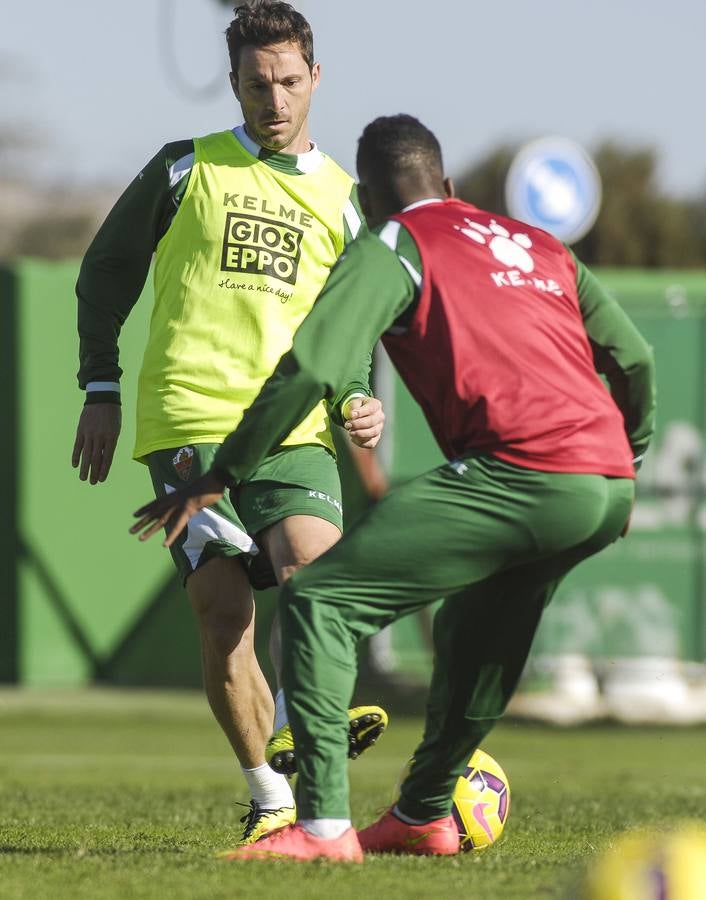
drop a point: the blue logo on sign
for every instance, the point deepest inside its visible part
(554, 184)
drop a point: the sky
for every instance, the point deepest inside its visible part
(94, 86)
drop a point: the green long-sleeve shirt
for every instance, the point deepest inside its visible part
(381, 285)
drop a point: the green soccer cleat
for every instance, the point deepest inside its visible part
(258, 822)
(365, 725)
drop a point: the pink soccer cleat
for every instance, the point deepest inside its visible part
(391, 835)
(294, 843)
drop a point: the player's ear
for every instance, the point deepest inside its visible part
(364, 200)
(449, 187)
(315, 75)
(234, 84)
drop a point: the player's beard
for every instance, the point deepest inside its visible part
(279, 141)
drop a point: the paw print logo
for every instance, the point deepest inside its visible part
(509, 249)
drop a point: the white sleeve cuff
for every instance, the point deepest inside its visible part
(345, 413)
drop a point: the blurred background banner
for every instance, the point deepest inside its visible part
(79, 600)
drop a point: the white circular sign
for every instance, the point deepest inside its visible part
(554, 184)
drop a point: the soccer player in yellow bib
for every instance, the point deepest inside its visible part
(246, 225)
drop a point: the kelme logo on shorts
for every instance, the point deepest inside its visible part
(260, 246)
(320, 495)
(183, 461)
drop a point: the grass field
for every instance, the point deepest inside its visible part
(126, 795)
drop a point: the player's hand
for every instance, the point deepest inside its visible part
(179, 507)
(96, 439)
(364, 421)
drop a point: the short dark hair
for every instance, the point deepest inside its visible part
(265, 22)
(395, 144)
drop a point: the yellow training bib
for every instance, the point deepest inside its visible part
(240, 266)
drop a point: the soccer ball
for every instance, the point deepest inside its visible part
(481, 802)
(651, 865)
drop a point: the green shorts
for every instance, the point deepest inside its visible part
(294, 481)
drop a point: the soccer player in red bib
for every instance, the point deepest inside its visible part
(501, 335)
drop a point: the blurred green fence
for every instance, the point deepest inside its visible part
(80, 600)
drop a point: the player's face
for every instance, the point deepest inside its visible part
(274, 86)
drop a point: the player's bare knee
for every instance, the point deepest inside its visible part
(227, 634)
(225, 621)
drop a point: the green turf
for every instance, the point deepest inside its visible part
(126, 795)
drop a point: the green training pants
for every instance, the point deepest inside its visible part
(495, 540)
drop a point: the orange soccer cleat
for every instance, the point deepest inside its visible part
(294, 843)
(391, 835)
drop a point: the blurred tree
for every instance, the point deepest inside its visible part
(37, 218)
(52, 221)
(697, 221)
(637, 224)
(483, 184)
(64, 234)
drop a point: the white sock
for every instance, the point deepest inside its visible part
(268, 789)
(329, 829)
(280, 710)
(407, 819)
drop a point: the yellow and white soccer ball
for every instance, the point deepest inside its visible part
(652, 866)
(481, 802)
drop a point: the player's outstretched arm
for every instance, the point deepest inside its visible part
(358, 303)
(96, 439)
